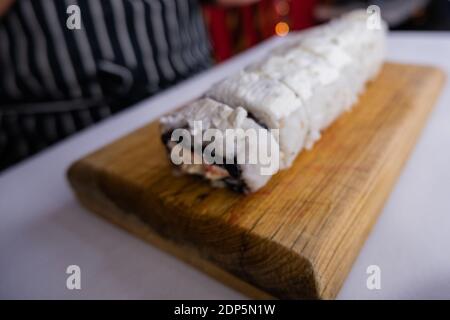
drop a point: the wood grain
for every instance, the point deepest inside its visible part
(297, 237)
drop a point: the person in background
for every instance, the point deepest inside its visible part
(55, 80)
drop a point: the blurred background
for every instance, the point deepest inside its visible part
(234, 30)
(29, 123)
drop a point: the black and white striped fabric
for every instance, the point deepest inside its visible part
(55, 81)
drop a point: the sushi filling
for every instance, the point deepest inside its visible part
(220, 174)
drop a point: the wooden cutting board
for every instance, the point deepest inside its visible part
(297, 237)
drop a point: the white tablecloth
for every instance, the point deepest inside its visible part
(43, 229)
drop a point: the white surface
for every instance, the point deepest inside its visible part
(43, 229)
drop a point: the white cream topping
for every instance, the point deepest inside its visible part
(268, 99)
(212, 114)
(319, 71)
(288, 72)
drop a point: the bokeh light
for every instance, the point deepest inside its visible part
(282, 7)
(281, 29)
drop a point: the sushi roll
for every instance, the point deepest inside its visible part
(292, 95)
(326, 68)
(207, 138)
